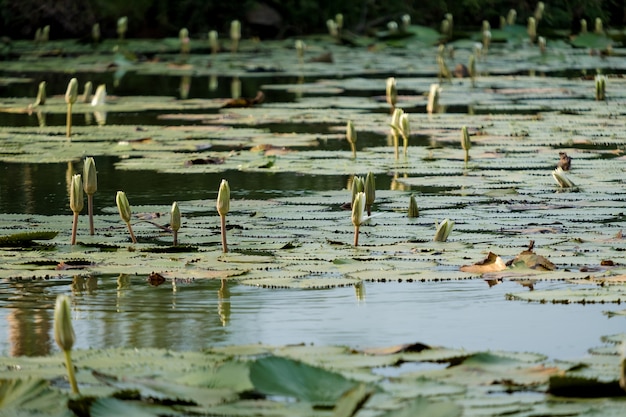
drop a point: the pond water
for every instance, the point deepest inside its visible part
(109, 312)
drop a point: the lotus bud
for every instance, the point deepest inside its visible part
(213, 42)
(351, 136)
(76, 194)
(466, 143)
(175, 221)
(100, 97)
(332, 28)
(443, 230)
(598, 29)
(392, 27)
(600, 81)
(358, 215)
(511, 17)
(583, 26)
(122, 27)
(358, 186)
(64, 335)
(370, 192)
(95, 32)
(413, 209)
(41, 94)
(87, 92)
(391, 92)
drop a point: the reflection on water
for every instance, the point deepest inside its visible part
(126, 311)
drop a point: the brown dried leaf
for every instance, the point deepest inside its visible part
(492, 263)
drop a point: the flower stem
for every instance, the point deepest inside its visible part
(132, 235)
(70, 371)
(356, 235)
(175, 233)
(223, 226)
(90, 208)
(74, 227)
(69, 120)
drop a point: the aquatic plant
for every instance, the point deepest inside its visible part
(406, 22)
(561, 178)
(443, 230)
(539, 9)
(87, 92)
(486, 41)
(600, 81)
(542, 43)
(444, 72)
(471, 68)
(511, 17)
(370, 192)
(466, 143)
(235, 35)
(300, 46)
(185, 42)
(358, 214)
(413, 209)
(123, 206)
(175, 221)
(358, 186)
(598, 27)
(447, 26)
(223, 206)
(331, 25)
(213, 42)
(95, 32)
(70, 98)
(122, 27)
(391, 93)
(99, 98)
(339, 23)
(235, 88)
(41, 94)
(396, 128)
(531, 29)
(433, 99)
(583, 26)
(76, 202)
(90, 185)
(64, 335)
(351, 137)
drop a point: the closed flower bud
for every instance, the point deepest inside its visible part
(350, 132)
(175, 217)
(392, 91)
(358, 186)
(413, 209)
(235, 30)
(90, 184)
(63, 331)
(41, 94)
(370, 190)
(443, 230)
(223, 198)
(72, 91)
(358, 209)
(76, 194)
(123, 206)
(466, 143)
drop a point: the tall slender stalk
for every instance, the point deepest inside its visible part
(223, 206)
(76, 202)
(70, 98)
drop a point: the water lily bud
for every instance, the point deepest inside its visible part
(300, 48)
(370, 189)
(76, 194)
(122, 26)
(583, 26)
(443, 230)
(406, 21)
(235, 88)
(561, 178)
(445, 27)
(223, 198)
(213, 42)
(350, 132)
(71, 94)
(413, 209)
(539, 10)
(532, 28)
(486, 39)
(41, 94)
(600, 87)
(358, 209)
(358, 186)
(405, 127)
(486, 25)
(100, 97)
(395, 120)
(541, 41)
(63, 330)
(433, 99)
(392, 27)
(332, 28)
(45, 33)
(90, 184)
(471, 65)
(392, 92)
(235, 30)
(466, 144)
(38, 35)
(339, 20)
(175, 217)
(87, 93)
(123, 206)
(95, 32)
(183, 35)
(511, 17)
(598, 27)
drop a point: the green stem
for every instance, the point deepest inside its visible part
(69, 120)
(223, 226)
(356, 235)
(132, 235)
(70, 371)
(74, 227)
(90, 207)
(175, 233)
(395, 145)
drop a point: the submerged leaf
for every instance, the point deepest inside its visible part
(492, 263)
